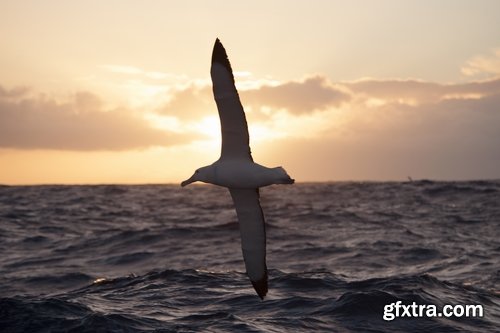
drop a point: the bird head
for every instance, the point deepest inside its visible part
(204, 174)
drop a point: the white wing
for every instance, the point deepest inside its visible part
(253, 236)
(235, 142)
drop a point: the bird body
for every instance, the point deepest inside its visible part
(240, 174)
(236, 170)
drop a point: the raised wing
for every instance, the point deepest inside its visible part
(235, 142)
(253, 236)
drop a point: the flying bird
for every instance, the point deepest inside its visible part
(236, 170)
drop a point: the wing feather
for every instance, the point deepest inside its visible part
(234, 128)
(253, 236)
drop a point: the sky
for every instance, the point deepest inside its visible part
(120, 92)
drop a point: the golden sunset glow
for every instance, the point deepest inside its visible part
(120, 92)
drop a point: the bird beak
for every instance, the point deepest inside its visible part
(188, 181)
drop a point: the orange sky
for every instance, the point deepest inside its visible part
(119, 91)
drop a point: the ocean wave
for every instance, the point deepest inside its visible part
(146, 259)
(459, 188)
(310, 300)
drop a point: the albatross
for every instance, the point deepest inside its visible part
(236, 170)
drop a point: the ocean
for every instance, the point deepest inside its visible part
(160, 258)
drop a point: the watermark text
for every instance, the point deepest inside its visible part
(414, 310)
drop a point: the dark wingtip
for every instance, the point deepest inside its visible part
(219, 55)
(260, 286)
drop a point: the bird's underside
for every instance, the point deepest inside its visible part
(235, 145)
(253, 236)
(236, 170)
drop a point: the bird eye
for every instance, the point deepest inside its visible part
(197, 171)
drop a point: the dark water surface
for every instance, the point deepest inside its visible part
(165, 259)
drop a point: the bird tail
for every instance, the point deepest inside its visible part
(283, 178)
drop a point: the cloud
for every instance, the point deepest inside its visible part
(489, 64)
(456, 119)
(13, 93)
(428, 120)
(82, 123)
(318, 94)
(367, 120)
(296, 97)
(123, 69)
(418, 128)
(190, 103)
(455, 137)
(448, 139)
(135, 71)
(416, 92)
(425, 111)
